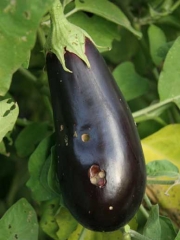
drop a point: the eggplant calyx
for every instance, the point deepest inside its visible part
(65, 36)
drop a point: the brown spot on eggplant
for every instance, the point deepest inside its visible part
(97, 176)
(85, 137)
(90, 99)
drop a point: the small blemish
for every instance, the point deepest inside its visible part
(27, 15)
(24, 38)
(97, 176)
(93, 180)
(75, 134)
(11, 7)
(66, 140)
(85, 137)
(101, 174)
(110, 208)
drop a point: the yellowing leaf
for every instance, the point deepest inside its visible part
(165, 144)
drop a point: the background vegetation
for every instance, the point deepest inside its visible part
(144, 41)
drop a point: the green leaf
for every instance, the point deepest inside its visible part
(26, 62)
(162, 168)
(106, 10)
(3, 149)
(169, 78)
(178, 236)
(115, 235)
(130, 83)
(19, 21)
(172, 22)
(77, 233)
(85, 234)
(52, 181)
(19, 222)
(157, 39)
(66, 2)
(48, 223)
(66, 222)
(163, 50)
(152, 228)
(8, 115)
(167, 228)
(50, 194)
(123, 50)
(29, 137)
(103, 32)
(36, 164)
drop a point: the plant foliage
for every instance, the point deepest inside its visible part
(140, 42)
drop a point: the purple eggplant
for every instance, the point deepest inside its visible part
(100, 163)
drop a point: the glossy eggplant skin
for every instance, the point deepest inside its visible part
(87, 103)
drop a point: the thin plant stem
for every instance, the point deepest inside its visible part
(138, 236)
(149, 112)
(41, 38)
(23, 122)
(28, 74)
(147, 201)
(144, 211)
(71, 12)
(160, 182)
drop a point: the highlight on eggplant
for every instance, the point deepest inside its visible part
(100, 163)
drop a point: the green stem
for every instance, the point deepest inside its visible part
(176, 5)
(147, 201)
(150, 20)
(23, 122)
(71, 12)
(160, 120)
(126, 236)
(151, 111)
(45, 18)
(138, 236)
(144, 212)
(156, 74)
(160, 182)
(125, 10)
(81, 237)
(28, 74)
(48, 106)
(20, 178)
(56, 11)
(41, 38)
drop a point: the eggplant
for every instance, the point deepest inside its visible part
(100, 163)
